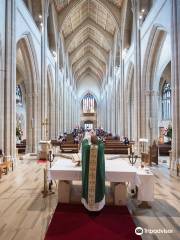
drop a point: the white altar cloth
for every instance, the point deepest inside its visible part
(117, 170)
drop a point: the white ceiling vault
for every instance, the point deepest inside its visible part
(88, 28)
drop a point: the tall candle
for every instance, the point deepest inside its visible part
(128, 151)
(133, 148)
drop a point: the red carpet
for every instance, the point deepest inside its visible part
(73, 222)
(41, 161)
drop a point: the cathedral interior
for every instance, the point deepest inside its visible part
(72, 66)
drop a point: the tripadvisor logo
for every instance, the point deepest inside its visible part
(139, 231)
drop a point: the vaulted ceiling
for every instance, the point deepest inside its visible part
(88, 28)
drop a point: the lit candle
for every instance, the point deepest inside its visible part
(128, 151)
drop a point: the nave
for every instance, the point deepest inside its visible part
(25, 214)
(73, 68)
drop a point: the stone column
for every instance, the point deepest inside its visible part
(175, 81)
(106, 115)
(10, 82)
(151, 130)
(137, 70)
(70, 107)
(2, 70)
(45, 5)
(57, 90)
(121, 99)
(65, 107)
(61, 105)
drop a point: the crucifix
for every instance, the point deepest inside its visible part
(45, 124)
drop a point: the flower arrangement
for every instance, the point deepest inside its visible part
(168, 131)
(19, 132)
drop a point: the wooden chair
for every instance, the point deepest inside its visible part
(4, 165)
(145, 158)
(151, 156)
(154, 153)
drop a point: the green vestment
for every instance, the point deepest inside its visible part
(93, 176)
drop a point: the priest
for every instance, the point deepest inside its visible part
(93, 173)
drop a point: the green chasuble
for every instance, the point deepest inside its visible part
(93, 175)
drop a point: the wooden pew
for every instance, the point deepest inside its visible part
(164, 149)
(69, 147)
(21, 147)
(55, 143)
(116, 147)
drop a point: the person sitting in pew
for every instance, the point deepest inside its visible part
(126, 140)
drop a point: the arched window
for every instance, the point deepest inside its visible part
(166, 101)
(88, 103)
(19, 95)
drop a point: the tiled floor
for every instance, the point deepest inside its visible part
(25, 214)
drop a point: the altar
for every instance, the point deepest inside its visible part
(117, 171)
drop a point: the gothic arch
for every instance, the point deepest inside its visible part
(151, 95)
(127, 24)
(25, 45)
(92, 93)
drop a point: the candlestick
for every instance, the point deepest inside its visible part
(132, 148)
(132, 158)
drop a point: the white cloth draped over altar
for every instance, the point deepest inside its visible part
(117, 170)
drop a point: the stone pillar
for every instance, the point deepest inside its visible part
(61, 105)
(45, 5)
(121, 99)
(122, 96)
(70, 107)
(64, 106)
(10, 82)
(117, 105)
(175, 81)
(57, 90)
(2, 70)
(106, 110)
(137, 70)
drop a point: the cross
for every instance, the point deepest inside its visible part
(45, 123)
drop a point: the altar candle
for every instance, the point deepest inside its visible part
(128, 151)
(133, 148)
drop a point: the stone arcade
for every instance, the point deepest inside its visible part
(69, 66)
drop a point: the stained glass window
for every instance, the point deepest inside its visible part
(166, 101)
(18, 95)
(88, 103)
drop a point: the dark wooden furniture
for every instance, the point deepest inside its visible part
(153, 153)
(116, 147)
(151, 156)
(21, 147)
(164, 149)
(69, 147)
(145, 158)
(5, 166)
(55, 143)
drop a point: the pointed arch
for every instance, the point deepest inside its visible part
(31, 83)
(149, 85)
